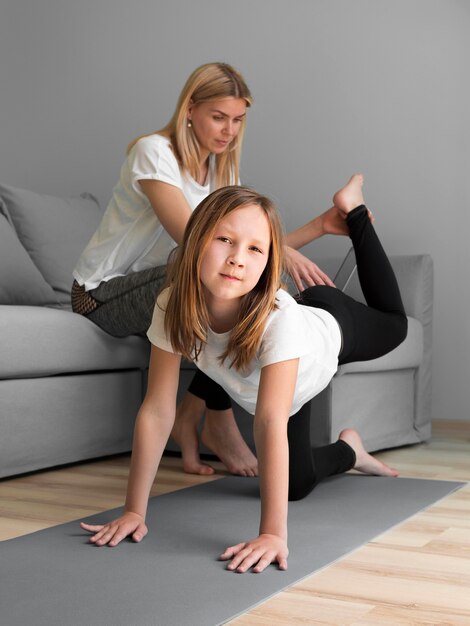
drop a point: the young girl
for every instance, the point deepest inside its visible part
(164, 177)
(225, 310)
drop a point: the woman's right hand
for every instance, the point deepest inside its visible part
(113, 533)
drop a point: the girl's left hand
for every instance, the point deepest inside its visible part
(259, 552)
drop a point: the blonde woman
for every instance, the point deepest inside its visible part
(224, 309)
(164, 177)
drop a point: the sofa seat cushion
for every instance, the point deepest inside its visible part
(42, 341)
(408, 355)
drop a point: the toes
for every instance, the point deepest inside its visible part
(198, 468)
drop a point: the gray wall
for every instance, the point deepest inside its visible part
(340, 86)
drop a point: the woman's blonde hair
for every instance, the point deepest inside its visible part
(211, 81)
(186, 317)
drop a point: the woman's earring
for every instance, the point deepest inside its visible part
(189, 124)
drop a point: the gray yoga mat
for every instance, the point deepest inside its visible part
(55, 577)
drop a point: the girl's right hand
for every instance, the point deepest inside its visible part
(113, 533)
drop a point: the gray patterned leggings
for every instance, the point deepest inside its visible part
(123, 305)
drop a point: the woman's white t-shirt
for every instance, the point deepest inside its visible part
(130, 237)
(292, 331)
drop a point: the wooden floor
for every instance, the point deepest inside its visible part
(417, 573)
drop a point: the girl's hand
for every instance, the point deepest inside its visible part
(259, 552)
(304, 272)
(117, 530)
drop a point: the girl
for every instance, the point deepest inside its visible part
(165, 176)
(225, 310)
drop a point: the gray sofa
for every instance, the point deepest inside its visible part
(70, 392)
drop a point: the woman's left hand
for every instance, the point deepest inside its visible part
(257, 553)
(304, 272)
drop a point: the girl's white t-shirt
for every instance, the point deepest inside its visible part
(130, 237)
(292, 331)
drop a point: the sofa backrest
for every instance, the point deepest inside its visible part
(52, 232)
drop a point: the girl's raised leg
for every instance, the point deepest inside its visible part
(377, 278)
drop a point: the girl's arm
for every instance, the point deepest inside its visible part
(153, 427)
(170, 206)
(276, 391)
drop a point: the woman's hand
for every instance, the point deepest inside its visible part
(333, 222)
(117, 530)
(304, 272)
(259, 552)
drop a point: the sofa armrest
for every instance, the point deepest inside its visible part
(415, 277)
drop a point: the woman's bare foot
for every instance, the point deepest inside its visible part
(350, 196)
(365, 462)
(185, 433)
(221, 435)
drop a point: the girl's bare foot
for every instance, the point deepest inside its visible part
(222, 436)
(185, 433)
(350, 196)
(365, 462)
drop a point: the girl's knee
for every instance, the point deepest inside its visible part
(300, 491)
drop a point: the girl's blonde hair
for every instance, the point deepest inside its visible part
(211, 81)
(186, 317)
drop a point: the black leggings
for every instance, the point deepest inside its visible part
(368, 332)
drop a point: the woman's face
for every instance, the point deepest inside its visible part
(216, 123)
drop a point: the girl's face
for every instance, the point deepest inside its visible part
(235, 257)
(216, 123)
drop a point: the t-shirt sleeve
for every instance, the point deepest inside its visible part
(156, 332)
(284, 338)
(153, 159)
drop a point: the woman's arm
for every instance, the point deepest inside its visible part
(173, 212)
(276, 391)
(303, 271)
(170, 206)
(328, 223)
(153, 426)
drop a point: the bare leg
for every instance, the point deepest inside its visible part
(365, 462)
(222, 436)
(185, 433)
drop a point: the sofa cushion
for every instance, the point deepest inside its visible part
(20, 280)
(53, 230)
(40, 341)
